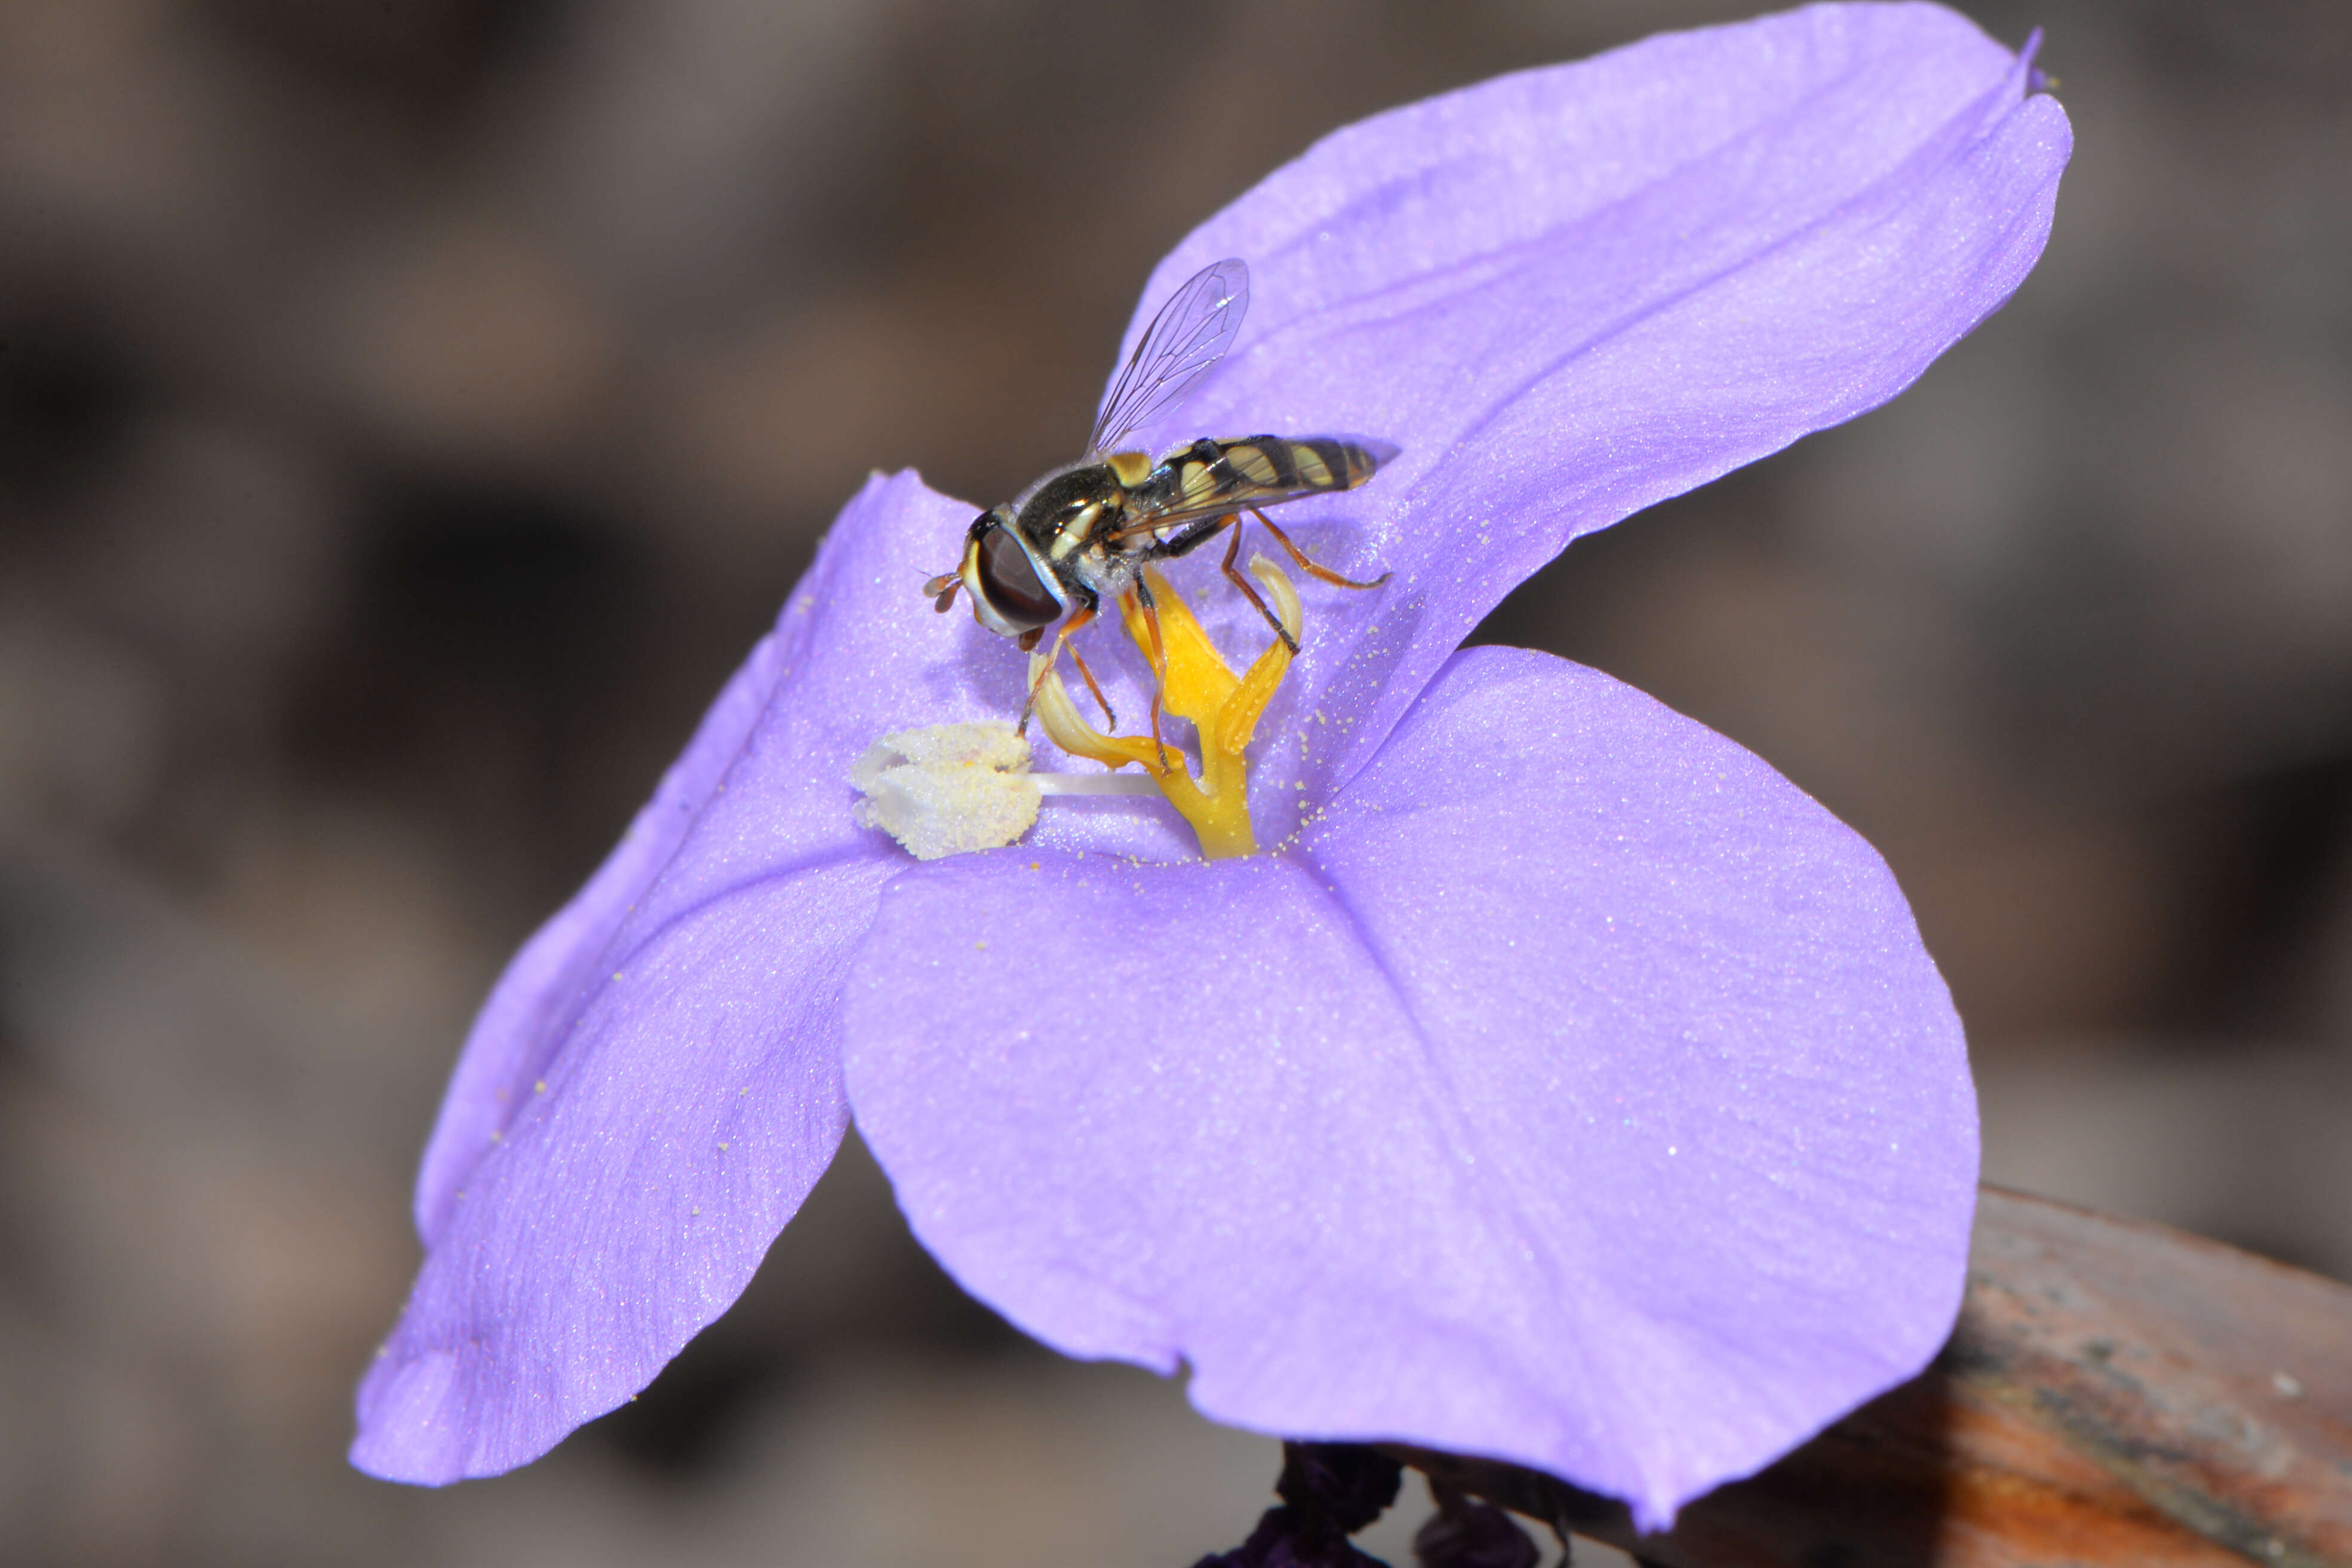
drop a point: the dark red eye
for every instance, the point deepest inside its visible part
(1011, 582)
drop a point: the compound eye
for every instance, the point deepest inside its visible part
(1014, 592)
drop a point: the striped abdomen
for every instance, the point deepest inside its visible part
(1212, 477)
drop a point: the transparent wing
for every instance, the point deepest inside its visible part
(1188, 337)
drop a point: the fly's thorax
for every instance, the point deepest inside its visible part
(1069, 511)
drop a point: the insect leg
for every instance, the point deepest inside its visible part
(1190, 536)
(1233, 550)
(1080, 617)
(1079, 659)
(1141, 595)
(1320, 573)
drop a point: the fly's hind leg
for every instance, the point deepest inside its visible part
(1234, 549)
(1083, 616)
(1320, 573)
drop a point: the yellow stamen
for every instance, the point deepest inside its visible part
(1197, 684)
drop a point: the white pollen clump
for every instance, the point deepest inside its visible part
(945, 789)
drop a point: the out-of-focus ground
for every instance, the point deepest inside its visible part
(410, 412)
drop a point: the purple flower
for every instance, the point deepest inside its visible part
(1560, 1084)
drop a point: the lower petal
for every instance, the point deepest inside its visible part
(1691, 1014)
(762, 787)
(632, 1191)
(655, 1083)
(1580, 1096)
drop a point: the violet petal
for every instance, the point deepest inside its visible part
(653, 1085)
(1578, 1094)
(1571, 292)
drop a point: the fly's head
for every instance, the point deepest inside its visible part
(1013, 591)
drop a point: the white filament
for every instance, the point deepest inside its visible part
(1095, 783)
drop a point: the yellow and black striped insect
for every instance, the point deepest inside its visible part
(1089, 527)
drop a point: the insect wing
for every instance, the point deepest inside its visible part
(1184, 341)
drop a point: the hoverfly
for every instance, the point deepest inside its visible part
(1088, 529)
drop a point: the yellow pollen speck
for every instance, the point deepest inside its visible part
(1196, 684)
(540, 1087)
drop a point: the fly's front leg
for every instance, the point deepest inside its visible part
(1084, 615)
(1248, 592)
(1089, 676)
(1320, 573)
(1139, 595)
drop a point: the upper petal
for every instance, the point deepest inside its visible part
(654, 1084)
(1571, 292)
(1582, 1096)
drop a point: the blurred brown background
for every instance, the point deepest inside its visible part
(409, 410)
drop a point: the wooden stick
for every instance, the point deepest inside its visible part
(2115, 1392)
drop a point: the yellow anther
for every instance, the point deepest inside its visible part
(1197, 684)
